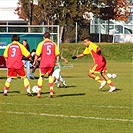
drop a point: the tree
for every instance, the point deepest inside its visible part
(122, 10)
(63, 12)
(67, 12)
(115, 10)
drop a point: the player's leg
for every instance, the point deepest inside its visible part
(39, 84)
(96, 68)
(51, 81)
(109, 82)
(27, 86)
(43, 71)
(51, 85)
(63, 81)
(98, 79)
(22, 74)
(7, 85)
(56, 76)
(10, 73)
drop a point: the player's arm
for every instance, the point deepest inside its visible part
(26, 53)
(62, 58)
(78, 56)
(5, 55)
(58, 60)
(98, 50)
(35, 60)
(38, 53)
(31, 59)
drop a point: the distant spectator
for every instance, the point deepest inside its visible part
(26, 60)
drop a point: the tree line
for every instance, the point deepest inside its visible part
(68, 12)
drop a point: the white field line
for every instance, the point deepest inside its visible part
(58, 105)
(66, 116)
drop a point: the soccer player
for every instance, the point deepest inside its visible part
(48, 52)
(57, 75)
(99, 65)
(13, 55)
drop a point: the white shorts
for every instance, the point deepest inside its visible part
(56, 74)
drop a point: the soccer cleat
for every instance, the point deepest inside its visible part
(51, 94)
(29, 94)
(39, 94)
(112, 89)
(32, 77)
(64, 84)
(5, 94)
(58, 86)
(102, 84)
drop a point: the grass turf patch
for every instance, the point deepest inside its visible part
(81, 107)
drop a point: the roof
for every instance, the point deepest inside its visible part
(7, 11)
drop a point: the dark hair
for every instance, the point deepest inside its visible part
(15, 37)
(27, 45)
(87, 38)
(25, 40)
(46, 35)
(33, 50)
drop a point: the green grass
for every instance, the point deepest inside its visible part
(115, 52)
(80, 108)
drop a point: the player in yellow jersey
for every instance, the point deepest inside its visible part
(48, 52)
(99, 65)
(13, 55)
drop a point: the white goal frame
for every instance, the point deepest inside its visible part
(30, 27)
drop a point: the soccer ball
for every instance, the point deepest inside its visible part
(113, 75)
(35, 89)
(109, 75)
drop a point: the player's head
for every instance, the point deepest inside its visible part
(86, 41)
(15, 37)
(46, 35)
(33, 50)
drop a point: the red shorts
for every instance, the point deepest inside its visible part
(97, 68)
(46, 70)
(12, 72)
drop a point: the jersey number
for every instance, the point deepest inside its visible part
(48, 50)
(13, 52)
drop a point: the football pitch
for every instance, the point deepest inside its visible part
(80, 108)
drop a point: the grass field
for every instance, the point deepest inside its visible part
(80, 108)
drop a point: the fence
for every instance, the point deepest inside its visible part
(120, 32)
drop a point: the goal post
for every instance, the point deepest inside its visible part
(32, 33)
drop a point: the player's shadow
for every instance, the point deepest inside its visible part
(34, 94)
(3, 78)
(67, 95)
(17, 92)
(69, 86)
(117, 89)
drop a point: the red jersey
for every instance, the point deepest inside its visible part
(14, 53)
(48, 51)
(92, 49)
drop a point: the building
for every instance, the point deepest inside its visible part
(7, 13)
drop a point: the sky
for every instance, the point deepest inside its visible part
(7, 8)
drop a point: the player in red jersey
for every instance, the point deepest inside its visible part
(48, 52)
(99, 65)
(13, 55)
